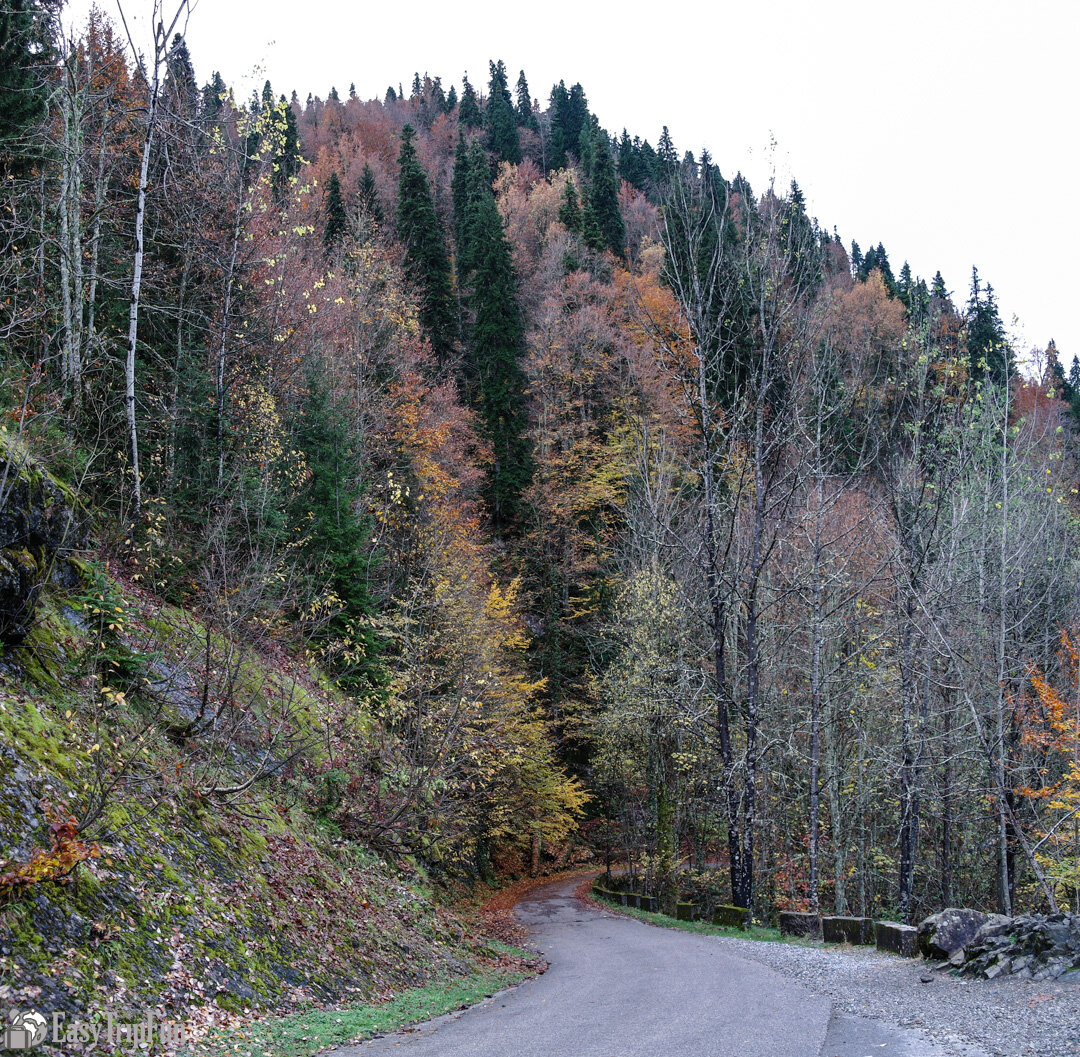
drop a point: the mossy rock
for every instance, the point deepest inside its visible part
(39, 522)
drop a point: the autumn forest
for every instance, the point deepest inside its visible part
(586, 501)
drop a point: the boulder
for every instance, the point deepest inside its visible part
(941, 935)
(858, 931)
(794, 924)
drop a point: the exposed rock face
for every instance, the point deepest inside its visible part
(941, 935)
(1031, 946)
(37, 524)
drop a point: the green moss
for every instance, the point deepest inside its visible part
(40, 737)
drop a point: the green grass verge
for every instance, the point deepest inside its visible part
(704, 928)
(304, 1034)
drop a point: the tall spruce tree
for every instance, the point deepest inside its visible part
(495, 381)
(425, 249)
(337, 538)
(337, 216)
(603, 190)
(469, 108)
(558, 115)
(501, 117)
(570, 208)
(368, 191)
(26, 57)
(287, 156)
(524, 108)
(989, 354)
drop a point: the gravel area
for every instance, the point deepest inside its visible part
(964, 1017)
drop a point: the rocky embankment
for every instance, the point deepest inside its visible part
(1029, 946)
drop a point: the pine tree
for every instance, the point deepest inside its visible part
(287, 157)
(451, 99)
(214, 94)
(856, 260)
(937, 288)
(989, 354)
(558, 110)
(26, 58)
(368, 190)
(391, 96)
(337, 540)
(501, 119)
(524, 109)
(469, 108)
(179, 90)
(569, 208)
(603, 193)
(496, 347)
(425, 249)
(337, 217)
(438, 96)
(904, 285)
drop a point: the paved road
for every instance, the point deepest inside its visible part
(618, 988)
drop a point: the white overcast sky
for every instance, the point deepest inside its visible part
(946, 129)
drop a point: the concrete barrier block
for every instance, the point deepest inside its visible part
(857, 931)
(731, 917)
(897, 938)
(794, 924)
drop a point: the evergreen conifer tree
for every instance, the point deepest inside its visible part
(937, 288)
(856, 260)
(337, 539)
(603, 193)
(570, 208)
(469, 108)
(558, 109)
(451, 99)
(495, 351)
(370, 206)
(26, 57)
(501, 119)
(425, 248)
(287, 158)
(524, 109)
(337, 217)
(989, 354)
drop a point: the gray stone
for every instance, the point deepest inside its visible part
(731, 917)
(941, 934)
(684, 911)
(857, 931)
(794, 924)
(897, 938)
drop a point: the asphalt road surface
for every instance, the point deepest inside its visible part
(619, 988)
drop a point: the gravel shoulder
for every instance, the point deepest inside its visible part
(964, 1017)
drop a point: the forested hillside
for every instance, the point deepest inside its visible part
(490, 488)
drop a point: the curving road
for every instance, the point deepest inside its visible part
(619, 988)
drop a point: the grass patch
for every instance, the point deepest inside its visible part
(704, 928)
(304, 1034)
